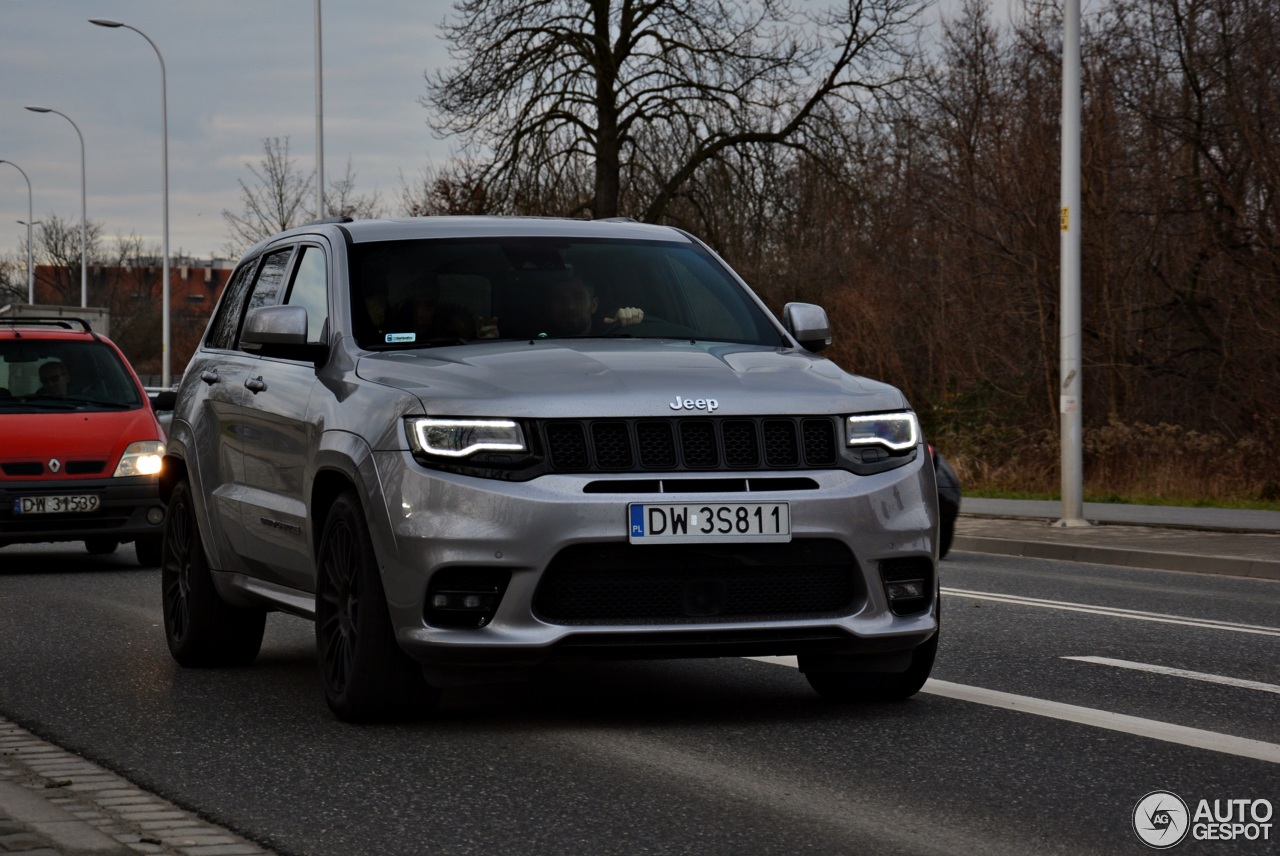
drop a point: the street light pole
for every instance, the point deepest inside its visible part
(31, 276)
(1070, 222)
(31, 268)
(320, 212)
(84, 217)
(165, 375)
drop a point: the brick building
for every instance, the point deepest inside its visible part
(134, 294)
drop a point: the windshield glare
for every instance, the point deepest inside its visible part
(409, 294)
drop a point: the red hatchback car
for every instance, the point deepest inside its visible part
(80, 445)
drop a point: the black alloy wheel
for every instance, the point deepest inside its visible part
(366, 675)
(201, 628)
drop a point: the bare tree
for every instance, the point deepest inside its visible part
(641, 95)
(57, 256)
(13, 280)
(341, 199)
(277, 201)
(280, 198)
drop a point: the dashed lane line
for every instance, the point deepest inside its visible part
(1167, 732)
(1179, 673)
(1114, 612)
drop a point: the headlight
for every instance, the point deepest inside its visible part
(141, 459)
(895, 431)
(457, 438)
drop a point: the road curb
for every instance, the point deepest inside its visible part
(1150, 560)
(54, 801)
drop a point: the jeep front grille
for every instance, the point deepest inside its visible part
(703, 443)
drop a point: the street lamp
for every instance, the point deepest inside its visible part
(84, 217)
(31, 276)
(165, 378)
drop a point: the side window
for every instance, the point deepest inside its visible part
(226, 323)
(310, 291)
(270, 283)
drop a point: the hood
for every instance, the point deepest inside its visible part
(75, 435)
(625, 378)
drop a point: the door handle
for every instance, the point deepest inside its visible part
(255, 384)
(209, 376)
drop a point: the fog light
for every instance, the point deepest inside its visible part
(905, 589)
(909, 584)
(155, 516)
(465, 597)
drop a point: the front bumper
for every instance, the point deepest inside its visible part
(525, 534)
(128, 508)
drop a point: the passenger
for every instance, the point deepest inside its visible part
(427, 318)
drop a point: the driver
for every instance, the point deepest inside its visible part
(572, 305)
(54, 379)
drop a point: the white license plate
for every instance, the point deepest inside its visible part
(708, 522)
(55, 504)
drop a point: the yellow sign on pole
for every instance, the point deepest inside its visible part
(1065, 219)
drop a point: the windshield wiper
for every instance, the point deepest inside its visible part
(97, 403)
(43, 403)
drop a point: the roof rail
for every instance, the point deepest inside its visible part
(618, 220)
(323, 220)
(44, 321)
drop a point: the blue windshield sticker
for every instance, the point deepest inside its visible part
(399, 338)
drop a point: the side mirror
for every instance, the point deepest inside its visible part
(280, 331)
(164, 400)
(808, 324)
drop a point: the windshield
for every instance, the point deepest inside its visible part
(407, 294)
(50, 375)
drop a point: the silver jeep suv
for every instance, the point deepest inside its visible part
(465, 446)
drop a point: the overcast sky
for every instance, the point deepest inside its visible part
(237, 71)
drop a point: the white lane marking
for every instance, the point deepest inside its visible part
(1179, 673)
(1196, 738)
(1150, 728)
(1114, 612)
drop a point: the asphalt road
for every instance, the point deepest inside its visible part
(723, 756)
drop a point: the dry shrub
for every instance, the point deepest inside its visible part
(1121, 460)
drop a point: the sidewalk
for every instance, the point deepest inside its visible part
(54, 803)
(1224, 541)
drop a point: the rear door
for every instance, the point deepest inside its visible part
(213, 406)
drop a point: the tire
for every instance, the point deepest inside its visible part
(366, 675)
(946, 534)
(880, 686)
(201, 628)
(149, 550)
(100, 546)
